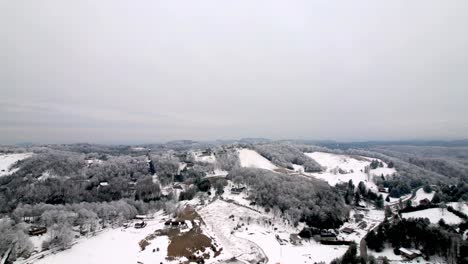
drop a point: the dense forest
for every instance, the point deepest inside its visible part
(285, 155)
(419, 233)
(300, 199)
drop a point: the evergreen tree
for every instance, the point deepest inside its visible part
(436, 199)
(350, 256)
(388, 212)
(427, 188)
(379, 202)
(357, 198)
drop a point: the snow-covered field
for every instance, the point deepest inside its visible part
(421, 195)
(114, 246)
(434, 215)
(308, 252)
(331, 161)
(353, 168)
(460, 206)
(251, 159)
(254, 237)
(7, 160)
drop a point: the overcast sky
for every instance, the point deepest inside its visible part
(148, 71)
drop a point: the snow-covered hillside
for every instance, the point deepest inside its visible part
(7, 160)
(344, 162)
(114, 246)
(251, 159)
(342, 168)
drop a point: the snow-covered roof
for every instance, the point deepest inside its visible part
(406, 251)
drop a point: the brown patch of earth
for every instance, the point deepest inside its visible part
(192, 244)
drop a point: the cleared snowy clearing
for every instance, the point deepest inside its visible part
(248, 235)
(7, 160)
(308, 252)
(115, 246)
(434, 215)
(251, 159)
(345, 162)
(421, 195)
(352, 168)
(460, 206)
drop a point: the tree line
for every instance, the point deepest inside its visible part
(297, 198)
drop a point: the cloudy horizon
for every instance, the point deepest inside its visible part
(153, 71)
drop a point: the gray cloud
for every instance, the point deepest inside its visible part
(119, 71)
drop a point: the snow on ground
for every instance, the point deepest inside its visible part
(182, 166)
(460, 206)
(298, 168)
(393, 200)
(37, 241)
(240, 198)
(357, 177)
(345, 162)
(388, 252)
(383, 171)
(372, 218)
(217, 173)
(251, 159)
(308, 252)
(119, 246)
(199, 157)
(7, 160)
(421, 195)
(434, 215)
(252, 237)
(352, 168)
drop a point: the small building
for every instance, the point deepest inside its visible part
(177, 186)
(409, 254)
(144, 217)
(327, 235)
(31, 219)
(424, 201)
(347, 230)
(362, 225)
(103, 184)
(237, 190)
(384, 189)
(358, 217)
(295, 239)
(37, 230)
(142, 224)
